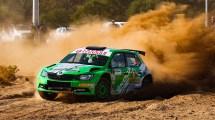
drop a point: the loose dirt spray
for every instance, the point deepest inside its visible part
(180, 51)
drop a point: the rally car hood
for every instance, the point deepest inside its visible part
(71, 68)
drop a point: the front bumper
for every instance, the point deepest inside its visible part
(75, 86)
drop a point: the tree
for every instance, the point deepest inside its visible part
(138, 6)
(15, 11)
(56, 18)
(109, 9)
(56, 13)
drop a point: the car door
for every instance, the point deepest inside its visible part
(119, 73)
(136, 70)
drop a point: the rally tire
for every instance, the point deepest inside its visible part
(103, 89)
(48, 95)
(147, 81)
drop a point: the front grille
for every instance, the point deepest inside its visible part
(58, 84)
(60, 77)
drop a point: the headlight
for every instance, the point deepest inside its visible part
(44, 73)
(85, 77)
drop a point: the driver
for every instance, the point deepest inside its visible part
(92, 58)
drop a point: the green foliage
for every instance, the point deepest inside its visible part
(138, 6)
(55, 13)
(111, 9)
(15, 11)
(8, 74)
(55, 18)
(7, 16)
(90, 8)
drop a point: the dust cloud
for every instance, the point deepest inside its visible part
(178, 49)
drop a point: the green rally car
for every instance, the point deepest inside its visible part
(95, 71)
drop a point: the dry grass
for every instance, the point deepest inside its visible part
(8, 74)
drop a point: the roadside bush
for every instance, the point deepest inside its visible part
(56, 18)
(8, 74)
(138, 6)
(111, 9)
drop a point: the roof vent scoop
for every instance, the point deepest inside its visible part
(95, 48)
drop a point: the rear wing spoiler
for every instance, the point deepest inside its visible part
(140, 52)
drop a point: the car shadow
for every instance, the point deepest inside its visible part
(158, 91)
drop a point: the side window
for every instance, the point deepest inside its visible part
(77, 57)
(118, 60)
(132, 60)
(68, 58)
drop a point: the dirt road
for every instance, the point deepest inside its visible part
(19, 102)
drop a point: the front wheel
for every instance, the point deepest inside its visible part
(102, 91)
(47, 95)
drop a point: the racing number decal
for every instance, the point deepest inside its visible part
(129, 80)
(124, 84)
(117, 72)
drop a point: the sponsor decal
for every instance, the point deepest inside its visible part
(84, 85)
(75, 68)
(54, 71)
(105, 52)
(60, 69)
(125, 82)
(60, 72)
(128, 81)
(134, 77)
(80, 90)
(117, 72)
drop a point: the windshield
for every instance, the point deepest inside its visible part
(83, 58)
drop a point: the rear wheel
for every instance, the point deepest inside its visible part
(137, 93)
(47, 95)
(147, 81)
(103, 89)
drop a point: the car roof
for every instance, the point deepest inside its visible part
(98, 48)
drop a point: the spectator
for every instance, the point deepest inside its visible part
(114, 24)
(33, 32)
(42, 32)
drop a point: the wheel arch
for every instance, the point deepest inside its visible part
(105, 80)
(148, 76)
(107, 76)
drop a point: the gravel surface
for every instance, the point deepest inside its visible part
(20, 102)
